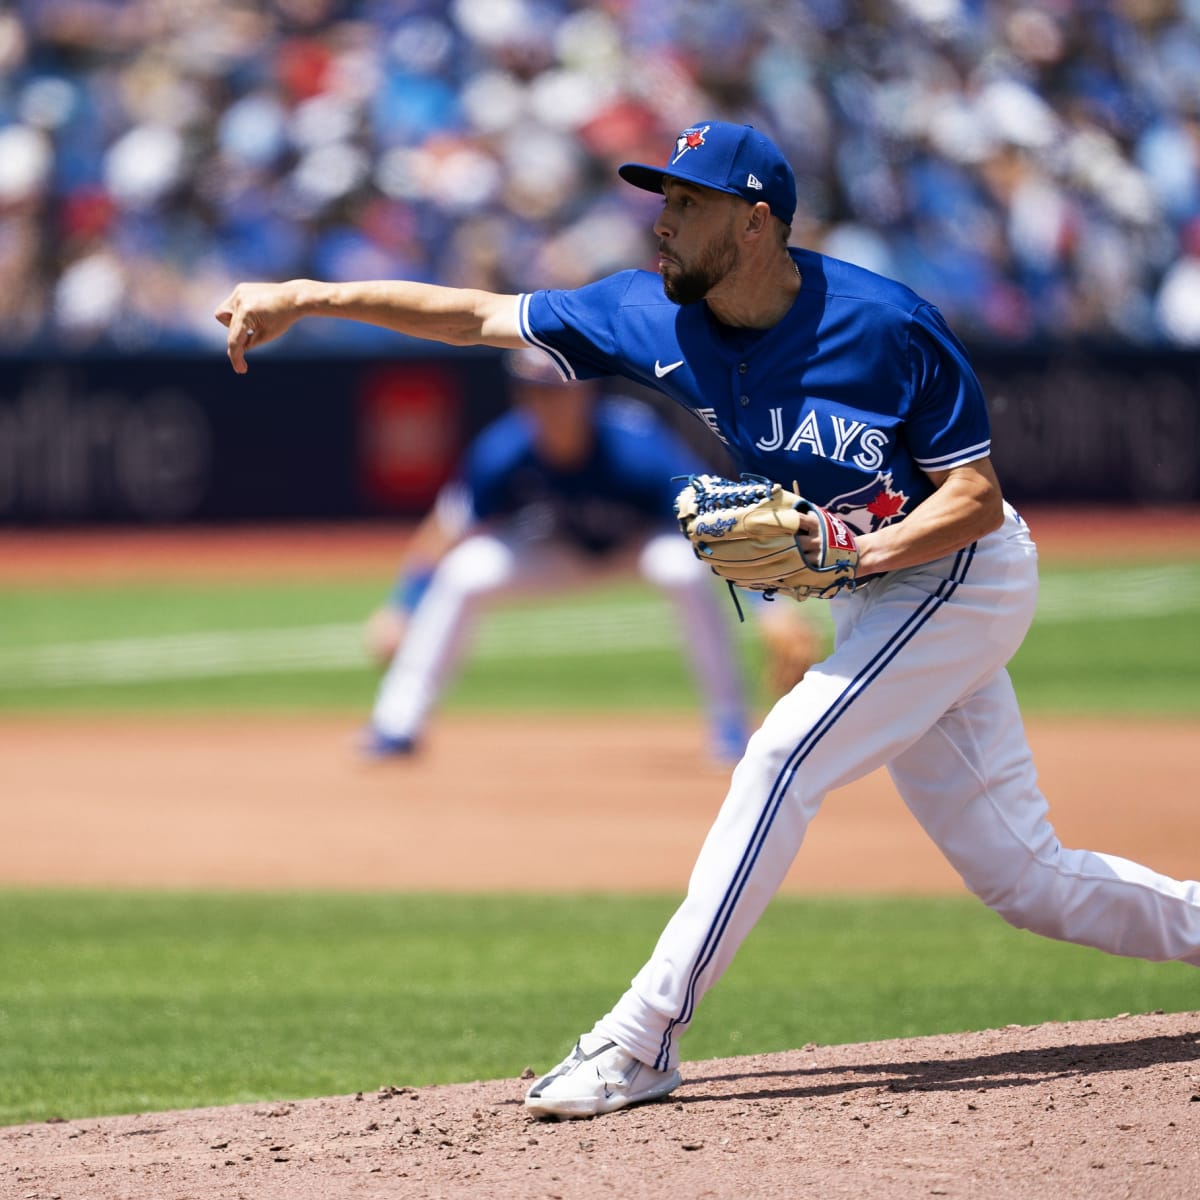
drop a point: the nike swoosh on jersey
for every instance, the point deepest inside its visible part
(660, 371)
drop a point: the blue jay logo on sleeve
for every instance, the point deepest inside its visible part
(871, 506)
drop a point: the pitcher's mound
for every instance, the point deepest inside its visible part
(1058, 1111)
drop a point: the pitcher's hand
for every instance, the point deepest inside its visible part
(257, 313)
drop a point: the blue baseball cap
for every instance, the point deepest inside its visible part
(728, 158)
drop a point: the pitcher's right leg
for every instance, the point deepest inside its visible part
(971, 783)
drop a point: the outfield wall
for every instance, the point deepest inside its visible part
(174, 439)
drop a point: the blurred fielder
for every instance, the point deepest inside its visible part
(571, 487)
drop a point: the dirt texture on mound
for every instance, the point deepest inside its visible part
(1091, 1109)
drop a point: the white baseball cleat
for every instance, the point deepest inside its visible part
(597, 1077)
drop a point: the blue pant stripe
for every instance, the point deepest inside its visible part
(779, 789)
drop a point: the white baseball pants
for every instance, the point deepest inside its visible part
(917, 682)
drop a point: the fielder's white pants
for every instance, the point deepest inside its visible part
(488, 566)
(917, 682)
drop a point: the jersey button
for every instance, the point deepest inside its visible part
(743, 368)
(743, 400)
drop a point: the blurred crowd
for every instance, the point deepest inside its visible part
(1034, 169)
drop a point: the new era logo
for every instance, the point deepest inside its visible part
(753, 181)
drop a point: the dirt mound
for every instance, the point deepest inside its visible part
(1089, 1109)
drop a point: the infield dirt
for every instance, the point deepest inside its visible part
(1092, 1109)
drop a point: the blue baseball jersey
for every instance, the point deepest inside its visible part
(857, 392)
(623, 488)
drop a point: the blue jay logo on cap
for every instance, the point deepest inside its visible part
(689, 139)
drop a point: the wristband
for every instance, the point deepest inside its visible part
(410, 587)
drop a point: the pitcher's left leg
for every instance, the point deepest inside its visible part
(899, 665)
(854, 711)
(971, 783)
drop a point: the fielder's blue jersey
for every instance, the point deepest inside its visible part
(857, 392)
(624, 488)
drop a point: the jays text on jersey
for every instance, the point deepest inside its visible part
(853, 396)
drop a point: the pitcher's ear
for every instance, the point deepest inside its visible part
(758, 218)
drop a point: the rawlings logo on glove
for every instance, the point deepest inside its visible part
(747, 531)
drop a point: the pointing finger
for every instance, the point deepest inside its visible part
(241, 332)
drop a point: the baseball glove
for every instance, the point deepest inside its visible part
(746, 531)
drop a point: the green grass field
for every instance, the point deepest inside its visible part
(113, 1002)
(140, 1002)
(1094, 648)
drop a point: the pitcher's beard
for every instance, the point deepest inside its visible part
(686, 285)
